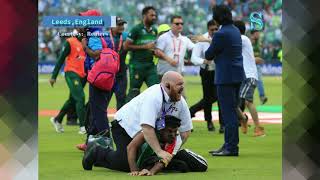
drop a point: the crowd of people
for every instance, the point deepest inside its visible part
(150, 127)
(194, 13)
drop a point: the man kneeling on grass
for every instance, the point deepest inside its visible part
(148, 163)
(143, 161)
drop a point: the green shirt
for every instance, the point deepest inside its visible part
(139, 35)
(144, 153)
(256, 49)
(64, 53)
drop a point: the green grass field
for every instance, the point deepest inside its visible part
(260, 158)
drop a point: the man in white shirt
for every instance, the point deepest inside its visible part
(171, 48)
(207, 72)
(249, 84)
(140, 115)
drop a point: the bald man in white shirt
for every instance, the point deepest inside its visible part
(140, 115)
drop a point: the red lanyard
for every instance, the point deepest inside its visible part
(174, 47)
(120, 43)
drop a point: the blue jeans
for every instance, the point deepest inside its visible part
(260, 85)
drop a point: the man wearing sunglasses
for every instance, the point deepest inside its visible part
(171, 48)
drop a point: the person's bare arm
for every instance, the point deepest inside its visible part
(259, 60)
(157, 168)
(132, 150)
(163, 56)
(128, 45)
(151, 138)
(91, 53)
(199, 38)
(154, 170)
(184, 136)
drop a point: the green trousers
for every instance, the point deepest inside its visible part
(76, 97)
(139, 73)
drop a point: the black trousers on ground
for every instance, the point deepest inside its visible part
(116, 160)
(184, 161)
(210, 96)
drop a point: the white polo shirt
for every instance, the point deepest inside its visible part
(198, 52)
(249, 62)
(147, 107)
(174, 47)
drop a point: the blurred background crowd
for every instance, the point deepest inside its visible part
(195, 13)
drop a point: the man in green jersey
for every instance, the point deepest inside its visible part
(141, 43)
(140, 154)
(148, 163)
(73, 56)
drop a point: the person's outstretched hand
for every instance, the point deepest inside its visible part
(145, 172)
(134, 173)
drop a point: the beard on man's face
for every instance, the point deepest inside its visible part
(152, 21)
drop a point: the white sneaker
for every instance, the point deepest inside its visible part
(82, 130)
(58, 126)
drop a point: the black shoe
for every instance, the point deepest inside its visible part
(221, 129)
(217, 151)
(192, 114)
(89, 156)
(263, 100)
(225, 153)
(72, 122)
(210, 126)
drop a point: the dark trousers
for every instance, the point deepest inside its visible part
(187, 161)
(228, 96)
(209, 90)
(139, 73)
(99, 101)
(71, 114)
(116, 160)
(120, 88)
